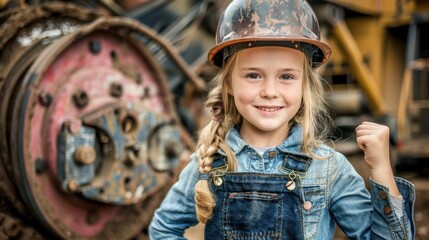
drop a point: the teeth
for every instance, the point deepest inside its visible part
(269, 109)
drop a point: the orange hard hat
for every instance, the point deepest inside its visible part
(252, 23)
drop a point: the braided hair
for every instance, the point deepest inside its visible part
(212, 137)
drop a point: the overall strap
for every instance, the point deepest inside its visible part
(295, 162)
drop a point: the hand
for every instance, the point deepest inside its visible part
(373, 139)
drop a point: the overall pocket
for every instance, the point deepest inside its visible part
(311, 217)
(253, 215)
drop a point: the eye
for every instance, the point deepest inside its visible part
(287, 77)
(253, 76)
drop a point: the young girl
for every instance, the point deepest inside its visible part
(261, 170)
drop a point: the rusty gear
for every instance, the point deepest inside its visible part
(252, 23)
(94, 106)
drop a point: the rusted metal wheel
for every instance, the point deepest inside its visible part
(89, 132)
(24, 33)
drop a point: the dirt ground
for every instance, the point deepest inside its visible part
(421, 210)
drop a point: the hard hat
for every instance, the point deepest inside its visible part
(252, 23)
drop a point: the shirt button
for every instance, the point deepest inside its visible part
(307, 205)
(387, 210)
(272, 154)
(383, 195)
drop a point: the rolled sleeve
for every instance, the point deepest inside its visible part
(383, 213)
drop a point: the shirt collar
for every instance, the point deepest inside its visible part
(292, 144)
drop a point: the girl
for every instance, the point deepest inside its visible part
(261, 170)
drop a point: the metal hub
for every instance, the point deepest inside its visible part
(92, 132)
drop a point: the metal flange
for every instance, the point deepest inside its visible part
(85, 112)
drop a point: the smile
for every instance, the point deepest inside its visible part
(269, 109)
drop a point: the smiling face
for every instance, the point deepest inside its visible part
(266, 84)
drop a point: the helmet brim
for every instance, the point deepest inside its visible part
(216, 56)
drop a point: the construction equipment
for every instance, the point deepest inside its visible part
(413, 112)
(369, 41)
(90, 136)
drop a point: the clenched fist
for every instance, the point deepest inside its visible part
(373, 139)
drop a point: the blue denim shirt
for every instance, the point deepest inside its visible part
(341, 198)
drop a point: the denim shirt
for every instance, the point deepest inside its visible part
(341, 197)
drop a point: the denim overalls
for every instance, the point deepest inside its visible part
(258, 206)
(324, 193)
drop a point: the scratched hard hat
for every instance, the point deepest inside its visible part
(252, 23)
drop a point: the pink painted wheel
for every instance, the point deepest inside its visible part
(95, 133)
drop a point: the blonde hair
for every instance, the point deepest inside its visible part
(312, 115)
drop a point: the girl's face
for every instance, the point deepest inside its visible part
(266, 84)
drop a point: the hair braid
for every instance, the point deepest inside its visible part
(212, 137)
(208, 145)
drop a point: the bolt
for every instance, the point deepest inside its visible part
(104, 138)
(138, 78)
(146, 93)
(94, 47)
(40, 165)
(45, 99)
(73, 126)
(85, 155)
(116, 90)
(72, 186)
(80, 98)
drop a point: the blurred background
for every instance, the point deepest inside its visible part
(101, 104)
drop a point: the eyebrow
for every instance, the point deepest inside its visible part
(258, 69)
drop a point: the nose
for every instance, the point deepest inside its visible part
(269, 89)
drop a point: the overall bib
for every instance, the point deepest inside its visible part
(255, 206)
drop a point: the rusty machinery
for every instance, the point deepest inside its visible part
(90, 137)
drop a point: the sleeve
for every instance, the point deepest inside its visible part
(362, 215)
(400, 228)
(177, 211)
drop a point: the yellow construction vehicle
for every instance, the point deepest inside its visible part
(379, 70)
